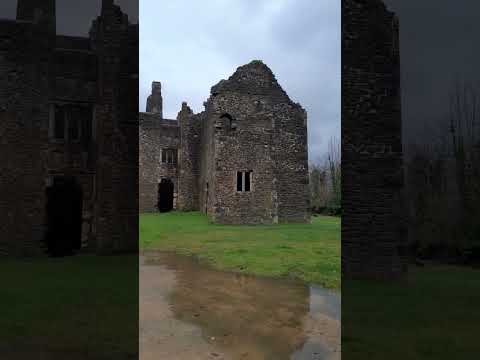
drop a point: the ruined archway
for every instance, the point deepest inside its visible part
(64, 216)
(165, 195)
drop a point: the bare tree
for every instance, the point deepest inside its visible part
(334, 162)
(464, 130)
(325, 180)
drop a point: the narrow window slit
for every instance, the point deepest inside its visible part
(239, 181)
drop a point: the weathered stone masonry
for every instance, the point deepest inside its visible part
(373, 230)
(241, 161)
(155, 135)
(90, 82)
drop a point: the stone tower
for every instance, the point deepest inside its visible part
(373, 229)
(114, 40)
(188, 158)
(254, 157)
(155, 101)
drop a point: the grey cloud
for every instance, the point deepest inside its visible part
(438, 40)
(190, 46)
(75, 17)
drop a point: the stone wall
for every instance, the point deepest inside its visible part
(189, 159)
(291, 163)
(256, 128)
(155, 134)
(373, 231)
(245, 148)
(114, 39)
(24, 114)
(207, 163)
(154, 100)
(39, 70)
(75, 87)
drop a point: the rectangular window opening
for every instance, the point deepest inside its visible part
(239, 181)
(247, 181)
(85, 126)
(59, 123)
(169, 156)
(74, 126)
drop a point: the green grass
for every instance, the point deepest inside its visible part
(310, 252)
(433, 315)
(76, 304)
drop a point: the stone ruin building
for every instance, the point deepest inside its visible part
(69, 133)
(373, 228)
(243, 160)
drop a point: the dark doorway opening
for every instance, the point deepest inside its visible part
(64, 217)
(165, 195)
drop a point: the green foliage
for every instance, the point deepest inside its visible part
(310, 252)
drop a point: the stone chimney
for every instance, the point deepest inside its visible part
(155, 101)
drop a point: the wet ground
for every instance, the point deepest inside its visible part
(189, 311)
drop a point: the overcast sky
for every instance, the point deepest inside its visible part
(191, 45)
(438, 44)
(75, 17)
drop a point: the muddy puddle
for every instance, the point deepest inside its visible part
(189, 311)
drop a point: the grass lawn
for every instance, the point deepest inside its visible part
(76, 304)
(434, 315)
(310, 252)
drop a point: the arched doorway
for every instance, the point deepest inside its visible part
(64, 216)
(165, 195)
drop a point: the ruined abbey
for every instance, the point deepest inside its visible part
(69, 133)
(243, 160)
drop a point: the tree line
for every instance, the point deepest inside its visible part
(442, 183)
(325, 181)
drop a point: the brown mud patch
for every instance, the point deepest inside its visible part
(190, 311)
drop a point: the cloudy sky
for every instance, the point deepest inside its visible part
(438, 45)
(74, 17)
(191, 45)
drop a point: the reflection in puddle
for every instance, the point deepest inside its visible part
(189, 311)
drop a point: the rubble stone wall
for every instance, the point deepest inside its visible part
(155, 134)
(373, 230)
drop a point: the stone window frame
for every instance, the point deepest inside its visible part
(243, 182)
(66, 123)
(174, 156)
(230, 122)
